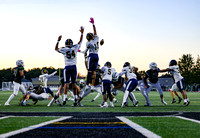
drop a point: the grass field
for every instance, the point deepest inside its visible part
(167, 126)
(89, 106)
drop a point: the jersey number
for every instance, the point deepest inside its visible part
(70, 55)
(96, 46)
(109, 71)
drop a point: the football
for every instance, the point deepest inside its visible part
(101, 42)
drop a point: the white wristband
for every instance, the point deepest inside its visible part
(58, 41)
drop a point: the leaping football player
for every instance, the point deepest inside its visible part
(92, 61)
(18, 76)
(132, 81)
(152, 75)
(70, 71)
(179, 80)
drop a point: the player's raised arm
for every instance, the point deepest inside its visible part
(165, 70)
(56, 47)
(81, 38)
(94, 28)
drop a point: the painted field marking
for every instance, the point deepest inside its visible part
(139, 128)
(87, 123)
(193, 120)
(82, 127)
(32, 127)
(4, 117)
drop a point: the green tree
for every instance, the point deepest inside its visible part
(186, 64)
(196, 71)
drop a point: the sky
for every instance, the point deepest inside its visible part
(137, 31)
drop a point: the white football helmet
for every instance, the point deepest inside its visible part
(82, 81)
(19, 63)
(115, 76)
(153, 66)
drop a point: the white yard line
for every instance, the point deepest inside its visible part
(193, 120)
(32, 127)
(139, 128)
(4, 117)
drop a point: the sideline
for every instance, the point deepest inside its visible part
(193, 120)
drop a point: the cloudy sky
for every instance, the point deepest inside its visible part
(138, 31)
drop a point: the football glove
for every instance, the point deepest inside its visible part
(92, 20)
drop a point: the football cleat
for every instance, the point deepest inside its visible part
(111, 104)
(148, 104)
(92, 100)
(7, 104)
(136, 104)
(19, 63)
(173, 101)
(105, 105)
(68, 42)
(186, 103)
(80, 104)
(179, 100)
(163, 102)
(172, 62)
(90, 36)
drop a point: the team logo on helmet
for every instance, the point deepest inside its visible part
(44, 71)
(172, 62)
(126, 64)
(19, 63)
(68, 42)
(108, 64)
(89, 36)
(153, 66)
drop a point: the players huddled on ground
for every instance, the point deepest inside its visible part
(105, 81)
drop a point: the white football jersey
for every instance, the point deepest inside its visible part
(176, 74)
(93, 45)
(108, 72)
(44, 78)
(70, 54)
(129, 73)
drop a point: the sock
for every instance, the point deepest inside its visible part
(64, 97)
(75, 97)
(89, 77)
(185, 100)
(125, 96)
(10, 98)
(133, 97)
(105, 103)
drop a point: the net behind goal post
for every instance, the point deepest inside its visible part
(8, 86)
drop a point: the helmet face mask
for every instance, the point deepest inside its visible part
(115, 76)
(19, 63)
(90, 36)
(153, 66)
(68, 42)
(172, 62)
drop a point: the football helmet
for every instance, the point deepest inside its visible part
(89, 36)
(108, 64)
(68, 42)
(19, 63)
(172, 62)
(115, 76)
(82, 83)
(153, 66)
(126, 64)
(44, 71)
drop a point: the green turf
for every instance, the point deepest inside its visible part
(15, 123)
(169, 127)
(41, 106)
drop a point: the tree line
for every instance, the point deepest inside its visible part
(189, 69)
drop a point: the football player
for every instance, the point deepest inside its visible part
(174, 92)
(119, 85)
(92, 61)
(179, 80)
(141, 86)
(132, 81)
(152, 75)
(44, 79)
(97, 86)
(18, 76)
(106, 83)
(70, 71)
(35, 95)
